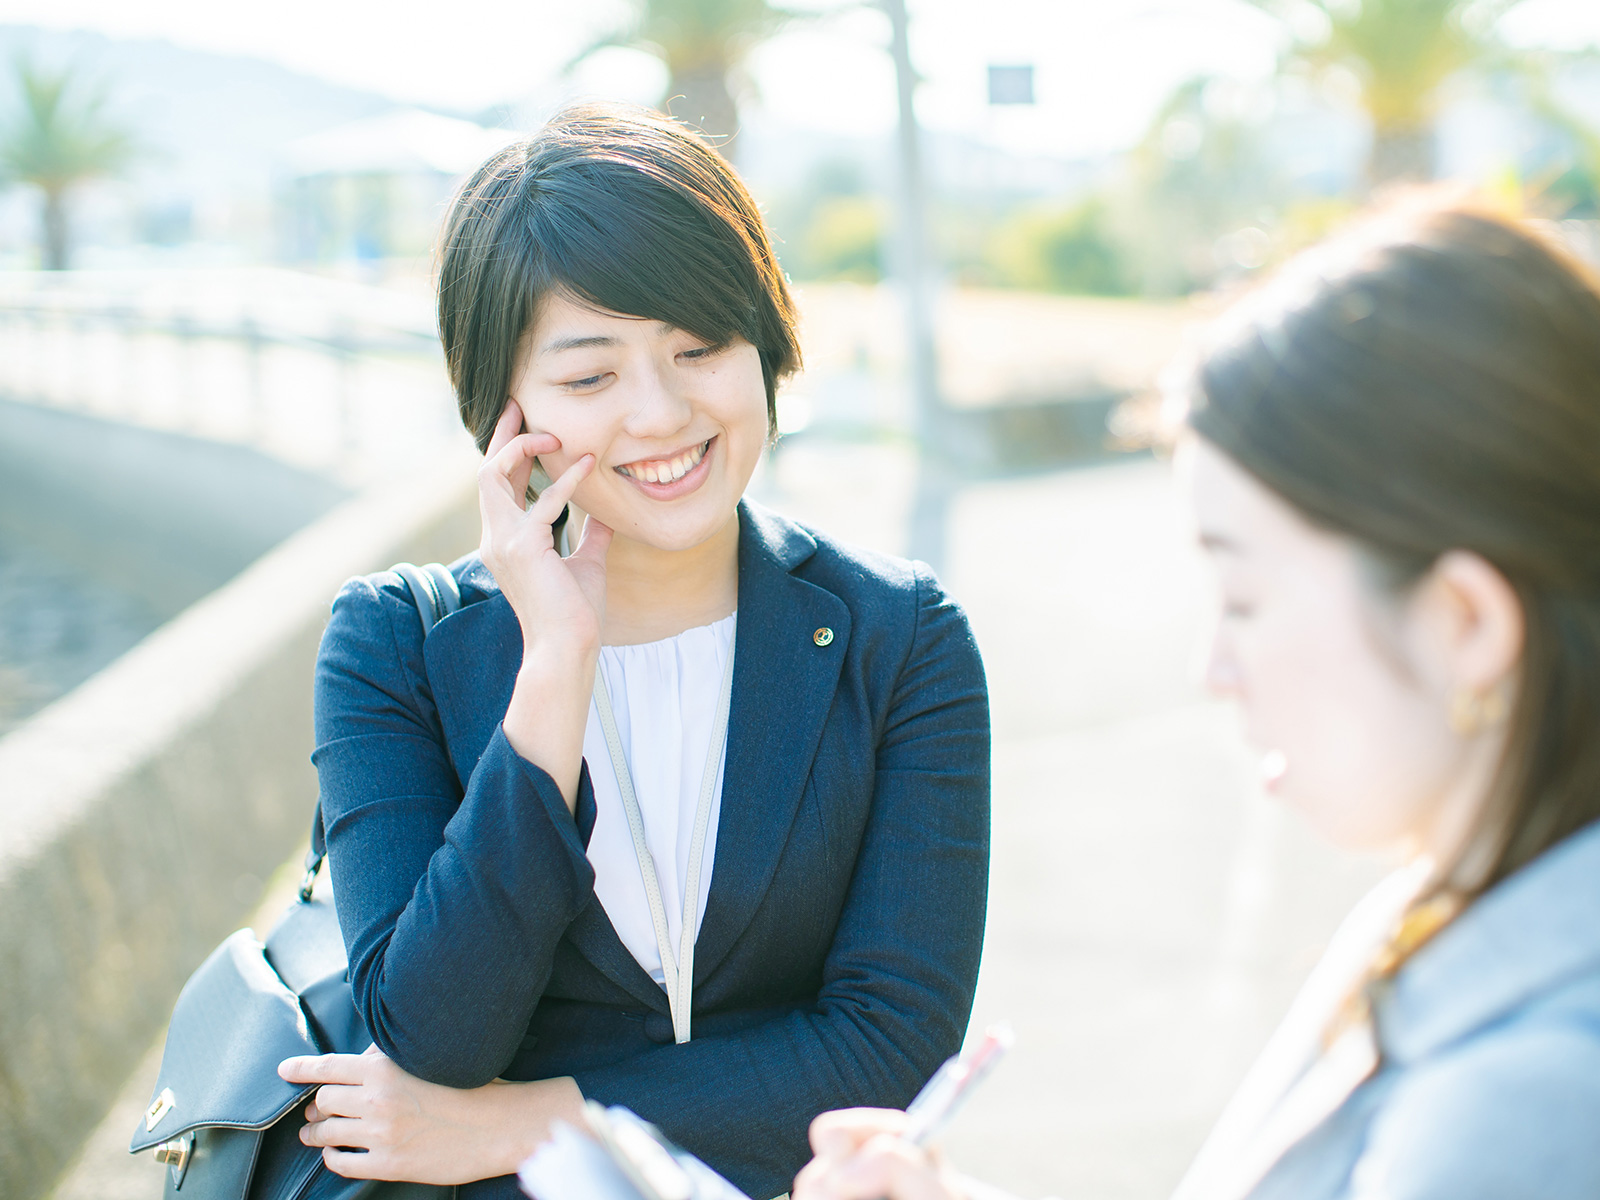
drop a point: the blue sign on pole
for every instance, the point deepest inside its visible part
(1011, 84)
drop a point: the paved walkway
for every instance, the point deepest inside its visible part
(1150, 914)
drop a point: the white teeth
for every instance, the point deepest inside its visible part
(667, 471)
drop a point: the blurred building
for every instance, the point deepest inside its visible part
(375, 189)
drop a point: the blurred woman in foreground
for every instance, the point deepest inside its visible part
(1393, 454)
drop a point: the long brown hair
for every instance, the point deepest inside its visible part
(618, 207)
(1428, 382)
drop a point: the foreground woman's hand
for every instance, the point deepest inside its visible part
(860, 1155)
(374, 1121)
(557, 600)
(560, 603)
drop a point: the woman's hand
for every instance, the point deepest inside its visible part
(559, 602)
(860, 1155)
(374, 1121)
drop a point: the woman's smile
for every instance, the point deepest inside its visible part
(670, 476)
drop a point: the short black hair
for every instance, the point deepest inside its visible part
(621, 208)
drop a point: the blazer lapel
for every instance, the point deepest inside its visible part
(1297, 1082)
(783, 687)
(1327, 1083)
(472, 658)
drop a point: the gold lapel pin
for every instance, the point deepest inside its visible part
(822, 636)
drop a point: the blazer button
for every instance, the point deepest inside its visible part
(658, 1028)
(822, 636)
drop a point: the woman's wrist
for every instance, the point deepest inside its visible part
(524, 1115)
(549, 710)
(559, 649)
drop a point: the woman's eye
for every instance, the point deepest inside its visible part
(583, 384)
(700, 352)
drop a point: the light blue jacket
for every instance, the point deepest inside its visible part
(1487, 1051)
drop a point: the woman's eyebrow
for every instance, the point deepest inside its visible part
(1219, 542)
(576, 343)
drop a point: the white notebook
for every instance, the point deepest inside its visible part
(619, 1156)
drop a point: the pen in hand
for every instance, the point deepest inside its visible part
(938, 1101)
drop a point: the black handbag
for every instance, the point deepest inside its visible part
(224, 1123)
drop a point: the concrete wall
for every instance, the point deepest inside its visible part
(140, 813)
(162, 516)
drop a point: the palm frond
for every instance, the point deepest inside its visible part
(61, 136)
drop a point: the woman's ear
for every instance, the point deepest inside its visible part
(1477, 623)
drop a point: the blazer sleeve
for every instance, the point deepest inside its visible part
(899, 978)
(451, 900)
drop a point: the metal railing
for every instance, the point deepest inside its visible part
(336, 377)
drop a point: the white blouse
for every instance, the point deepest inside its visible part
(664, 696)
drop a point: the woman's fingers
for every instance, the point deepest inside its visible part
(510, 465)
(845, 1130)
(554, 498)
(503, 479)
(506, 428)
(595, 541)
(337, 1131)
(352, 1164)
(324, 1068)
(886, 1167)
(339, 1100)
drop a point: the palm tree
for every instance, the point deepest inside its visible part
(1571, 184)
(1401, 51)
(57, 142)
(703, 43)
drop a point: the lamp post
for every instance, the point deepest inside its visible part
(930, 503)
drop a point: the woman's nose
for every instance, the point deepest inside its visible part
(1219, 673)
(660, 408)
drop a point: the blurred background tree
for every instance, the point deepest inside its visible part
(1200, 190)
(1400, 52)
(832, 225)
(1562, 178)
(1061, 248)
(703, 44)
(59, 139)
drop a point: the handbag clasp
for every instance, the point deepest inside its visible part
(159, 1107)
(175, 1155)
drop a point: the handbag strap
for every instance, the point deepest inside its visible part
(435, 593)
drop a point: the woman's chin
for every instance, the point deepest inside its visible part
(670, 533)
(1335, 825)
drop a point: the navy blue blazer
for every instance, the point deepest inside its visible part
(839, 950)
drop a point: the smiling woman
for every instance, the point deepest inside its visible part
(687, 811)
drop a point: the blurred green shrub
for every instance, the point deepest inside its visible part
(843, 239)
(1060, 249)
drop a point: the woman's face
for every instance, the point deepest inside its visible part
(676, 426)
(1343, 689)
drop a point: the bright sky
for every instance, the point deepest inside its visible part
(1101, 68)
